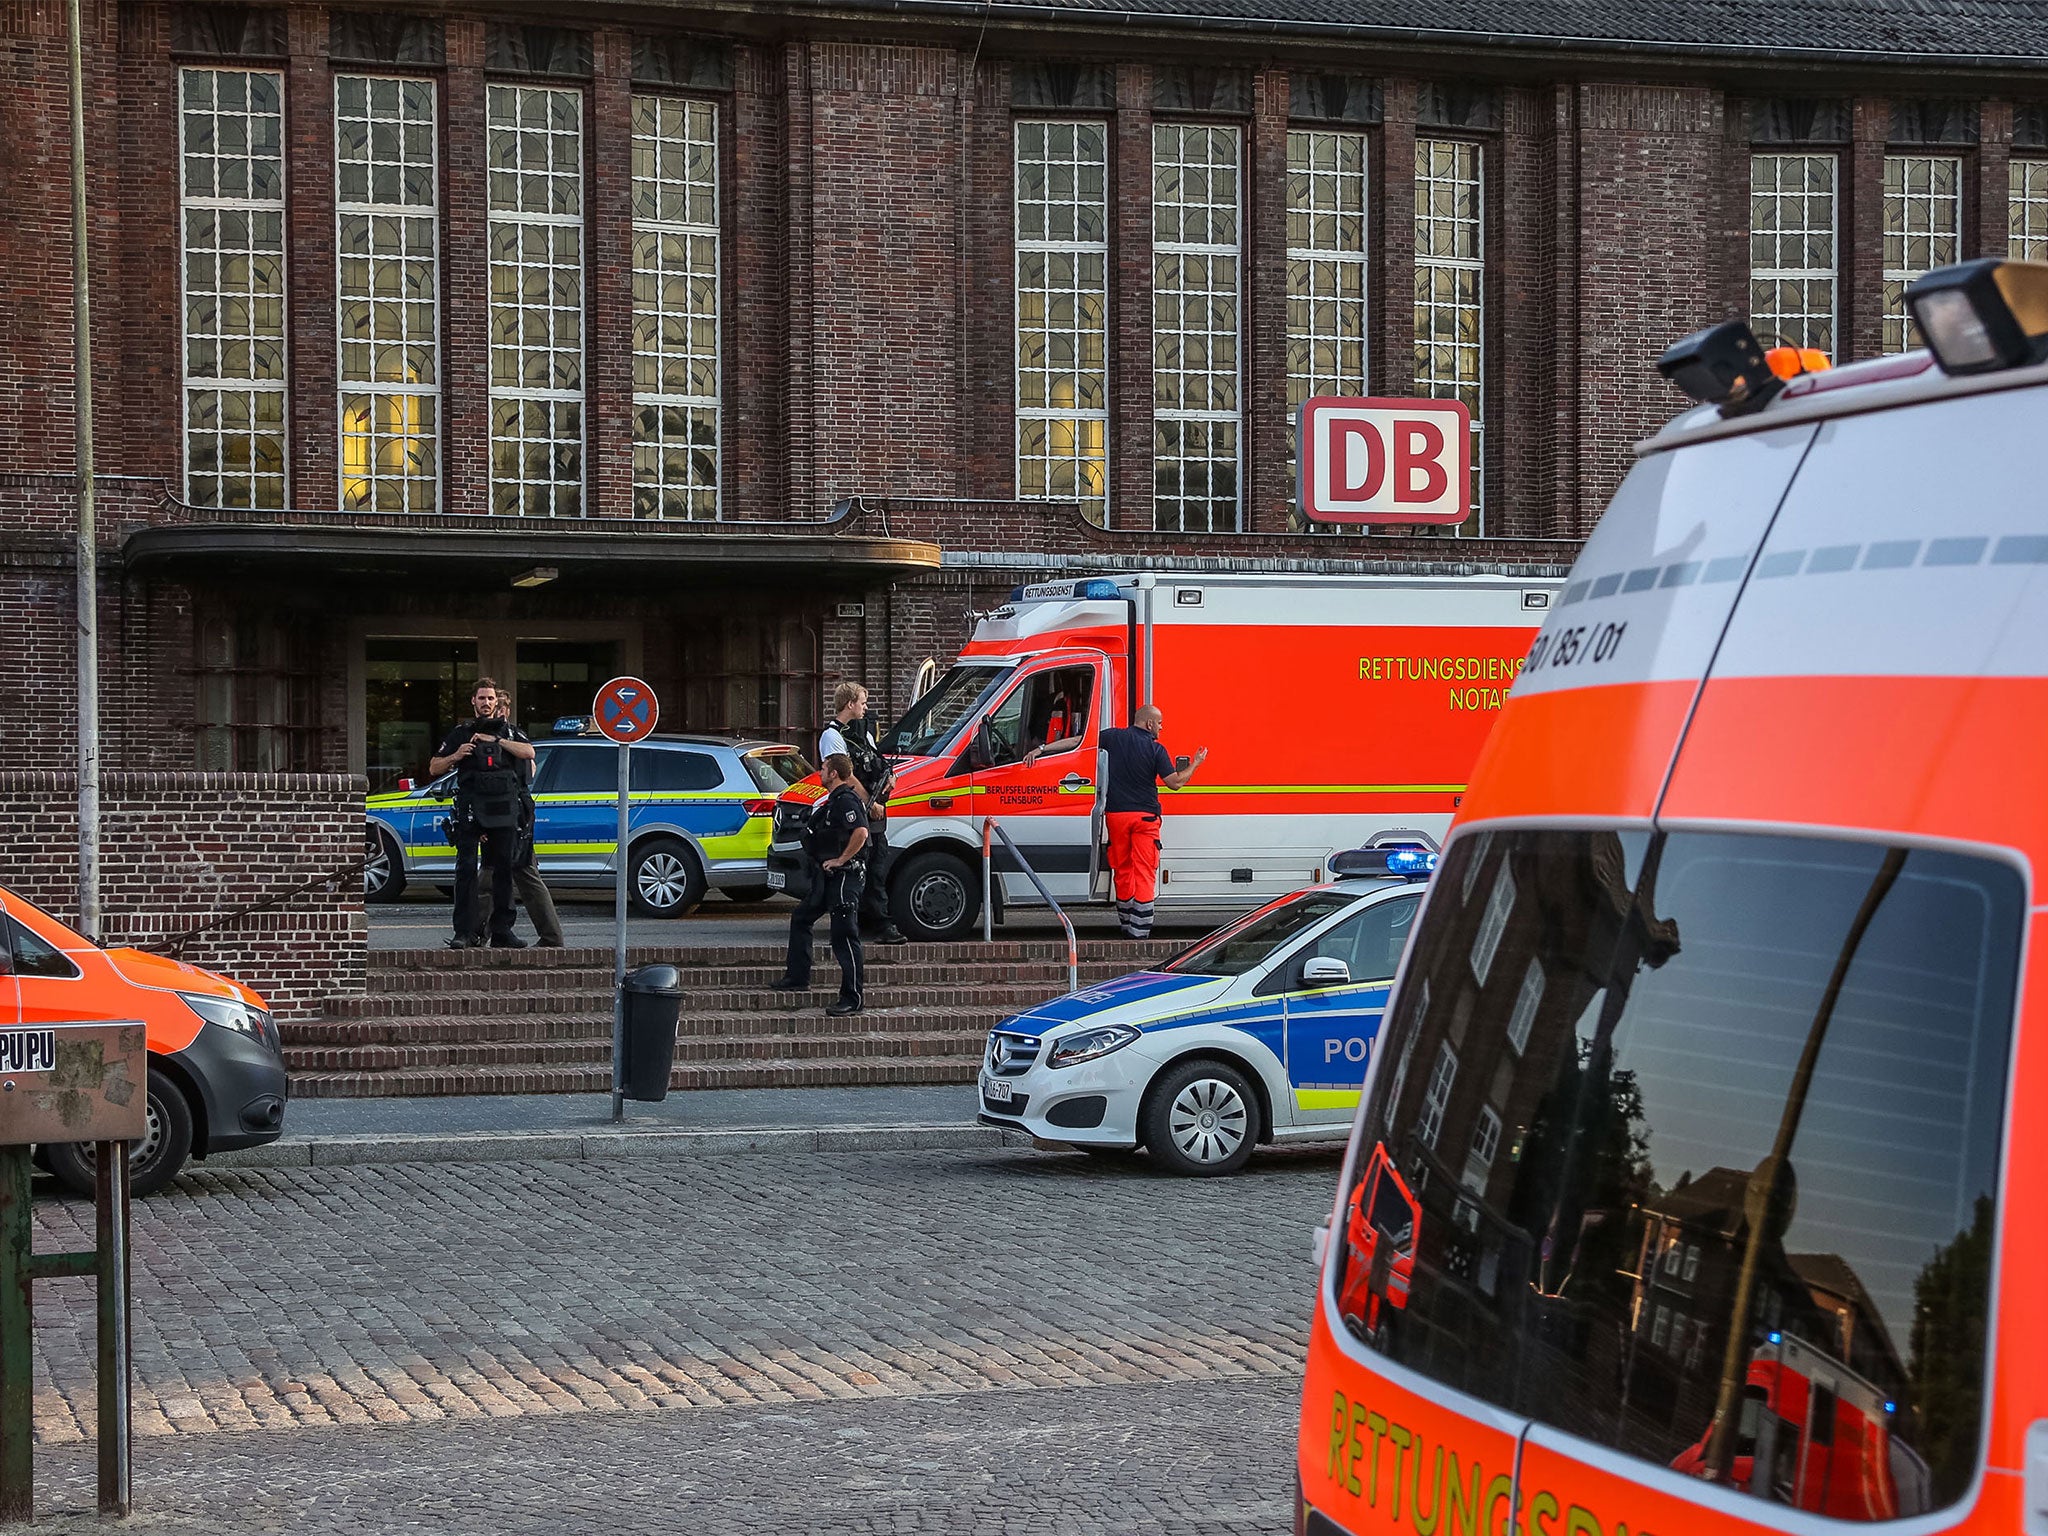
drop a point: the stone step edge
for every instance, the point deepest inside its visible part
(618, 1142)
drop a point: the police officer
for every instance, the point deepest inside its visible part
(489, 783)
(835, 838)
(533, 891)
(849, 732)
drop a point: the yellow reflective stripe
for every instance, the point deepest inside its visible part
(646, 797)
(1078, 789)
(1319, 789)
(926, 794)
(431, 851)
(575, 847)
(1327, 1098)
(751, 842)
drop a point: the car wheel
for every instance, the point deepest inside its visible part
(1201, 1119)
(154, 1161)
(933, 897)
(747, 893)
(665, 880)
(383, 866)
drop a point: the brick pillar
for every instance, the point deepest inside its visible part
(1393, 312)
(757, 287)
(1525, 281)
(1130, 369)
(465, 278)
(1731, 229)
(1862, 252)
(800, 407)
(309, 221)
(988, 263)
(1263, 324)
(608, 281)
(146, 372)
(1991, 229)
(1568, 519)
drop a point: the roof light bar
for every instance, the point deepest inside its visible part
(1723, 365)
(1983, 316)
(1402, 863)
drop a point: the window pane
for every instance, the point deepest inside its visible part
(1792, 216)
(1450, 317)
(1923, 215)
(1195, 328)
(677, 308)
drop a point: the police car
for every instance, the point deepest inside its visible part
(699, 810)
(1261, 1032)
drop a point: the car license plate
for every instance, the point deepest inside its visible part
(995, 1090)
(34, 1050)
(777, 880)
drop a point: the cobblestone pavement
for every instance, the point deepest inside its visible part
(977, 1340)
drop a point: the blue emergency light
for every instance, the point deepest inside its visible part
(1400, 863)
(1100, 587)
(569, 725)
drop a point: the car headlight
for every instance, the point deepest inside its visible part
(230, 1013)
(1090, 1044)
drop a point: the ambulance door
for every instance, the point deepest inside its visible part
(1034, 771)
(1333, 1016)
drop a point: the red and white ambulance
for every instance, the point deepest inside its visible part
(1715, 1073)
(1335, 709)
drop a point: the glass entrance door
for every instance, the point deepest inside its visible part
(414, 693)
(557, 678)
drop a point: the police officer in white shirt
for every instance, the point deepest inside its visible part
(847, 734)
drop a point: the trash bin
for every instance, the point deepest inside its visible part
(654, 1001)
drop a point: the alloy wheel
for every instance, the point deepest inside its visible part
(664, 880)
(1207, 1121)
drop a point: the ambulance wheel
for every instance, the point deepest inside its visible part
(666, 879)
(153, 1162)
(933, 896)
(1201, 1119)
(383, 866)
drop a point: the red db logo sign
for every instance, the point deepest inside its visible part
(1386, 461)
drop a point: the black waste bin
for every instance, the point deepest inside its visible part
(654, 1001)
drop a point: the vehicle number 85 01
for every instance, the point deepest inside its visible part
(1580, 645)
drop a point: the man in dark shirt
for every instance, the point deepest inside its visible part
(533, 891)
(1138, 764)
(836, 839)
(489, 782)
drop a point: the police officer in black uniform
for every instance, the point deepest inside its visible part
(835, 838)
(850, 731)
(489, 784)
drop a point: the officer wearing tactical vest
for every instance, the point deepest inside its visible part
(835, 839)
(848, 731)
(490, 784)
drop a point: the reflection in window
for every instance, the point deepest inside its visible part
(1527, 1001)
(1688, 976)
(1485, 1142)
(1195, 251)
(677, 369)
(1494, 924)
(388, 291)
(1063, 314)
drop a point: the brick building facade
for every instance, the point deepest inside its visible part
(753, 348)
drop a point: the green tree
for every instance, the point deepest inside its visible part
(1950, 1298)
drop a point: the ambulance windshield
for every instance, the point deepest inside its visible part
(925, 726)
(1704, 1132)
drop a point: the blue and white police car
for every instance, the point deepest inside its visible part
(1259, 1033)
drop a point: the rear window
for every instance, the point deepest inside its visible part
(1703, 1130)
(773, 772)
(658, 770)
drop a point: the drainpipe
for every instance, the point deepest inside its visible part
(88, 555)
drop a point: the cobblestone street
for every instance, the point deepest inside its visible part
(985, 1340)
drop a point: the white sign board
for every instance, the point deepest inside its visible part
(1373, 460)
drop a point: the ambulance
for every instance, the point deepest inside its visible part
(1336, 709)
(1698, 1179)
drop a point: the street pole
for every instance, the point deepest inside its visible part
(619, 877)
(88, 558)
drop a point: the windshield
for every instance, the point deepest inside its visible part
(1691, 1116)
(926, 724)
(776, 769)
(1247, 944)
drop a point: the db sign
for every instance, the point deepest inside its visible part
(1386, 461)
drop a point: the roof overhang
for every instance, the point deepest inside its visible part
(630, 558)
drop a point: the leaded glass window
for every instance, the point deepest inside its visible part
(535, 139)
(388, 293)
(1923, 222)
(1792, 250)
(1450, 289)
(2028, 210)
(1196, 202)
(231, 140)
(676, 347)
(1326, 272)
(1063, 314)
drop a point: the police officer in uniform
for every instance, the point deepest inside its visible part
(533, 891)
(489, 784)
(849, 731)
(835, 838)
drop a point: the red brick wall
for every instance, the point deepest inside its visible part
(181, 849)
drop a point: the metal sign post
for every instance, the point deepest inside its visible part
(625, 712)
(67, 1082)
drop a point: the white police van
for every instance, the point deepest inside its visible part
(1261, 1032)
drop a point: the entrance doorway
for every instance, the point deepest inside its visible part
(558, 678)
(414, 693)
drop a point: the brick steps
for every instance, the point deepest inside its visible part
(438, 1021)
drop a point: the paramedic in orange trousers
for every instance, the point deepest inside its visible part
(1138, 765)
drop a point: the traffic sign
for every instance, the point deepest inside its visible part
(1376, 460)
(626, 710)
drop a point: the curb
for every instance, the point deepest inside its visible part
(591, 1146)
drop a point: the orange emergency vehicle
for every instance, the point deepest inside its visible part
(1336, 709)
(1710, 1068)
